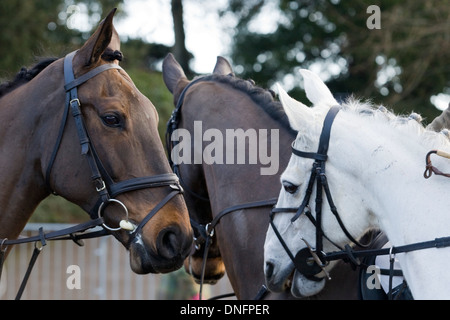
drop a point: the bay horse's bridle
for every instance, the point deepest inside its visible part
(107, 189)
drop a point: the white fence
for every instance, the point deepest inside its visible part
(102, 265)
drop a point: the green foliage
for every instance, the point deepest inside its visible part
(36, 28)
(55, 209)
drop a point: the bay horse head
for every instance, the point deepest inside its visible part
(196, 193)
(106, 156)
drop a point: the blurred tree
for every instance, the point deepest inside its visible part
(45, 28)
(180, 52)
(401, 65)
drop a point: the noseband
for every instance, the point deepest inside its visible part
(309, 261)
(106, 188)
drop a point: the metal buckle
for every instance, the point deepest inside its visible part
(102, 185)
(209, 233)
(177, 187)
(75, 100)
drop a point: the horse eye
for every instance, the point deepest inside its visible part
(112, 120)
(290, 187)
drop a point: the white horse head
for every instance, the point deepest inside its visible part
(374, 171)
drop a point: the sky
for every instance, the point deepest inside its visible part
(205, 36)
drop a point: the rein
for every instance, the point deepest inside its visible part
(40, 240)
(311, 261)
(430, 169)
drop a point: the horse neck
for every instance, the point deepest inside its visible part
(413, 210)
(406, 206)
(400, 195)
(22, 140)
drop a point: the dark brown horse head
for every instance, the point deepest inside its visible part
(196, 194)
(121, 126)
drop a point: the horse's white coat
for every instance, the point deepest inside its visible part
(375, 171)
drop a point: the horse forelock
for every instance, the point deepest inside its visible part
(25, 75)
(110, 55)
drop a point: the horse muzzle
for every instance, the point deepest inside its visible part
(172, 247)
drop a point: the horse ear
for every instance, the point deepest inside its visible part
(172, 72)
(316, 90)
(299, 115)
(105, 35)
(223, 67)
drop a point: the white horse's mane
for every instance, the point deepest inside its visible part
(318, 93)
(409, 125)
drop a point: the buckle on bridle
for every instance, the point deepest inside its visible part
(100, 185)
(76, 100)
(209, 233)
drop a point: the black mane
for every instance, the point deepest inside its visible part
(25, 75)
(262, 97)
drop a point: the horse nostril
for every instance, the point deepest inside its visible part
(269, 269)
(169, 245)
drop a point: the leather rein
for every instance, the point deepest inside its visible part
(311, 261)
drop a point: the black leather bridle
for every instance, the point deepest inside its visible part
(107, 189)
(204, 232)
(310, 261)
(302, 260)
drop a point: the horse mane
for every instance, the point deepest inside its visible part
(25, 75)
(262, 97)
(408, 124)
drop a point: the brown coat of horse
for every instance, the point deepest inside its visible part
(122, 125)
(222, 103)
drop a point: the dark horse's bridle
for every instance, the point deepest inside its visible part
(107, 189)
(203, 233)
(311, 261)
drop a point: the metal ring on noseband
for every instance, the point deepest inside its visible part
(102, 205)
